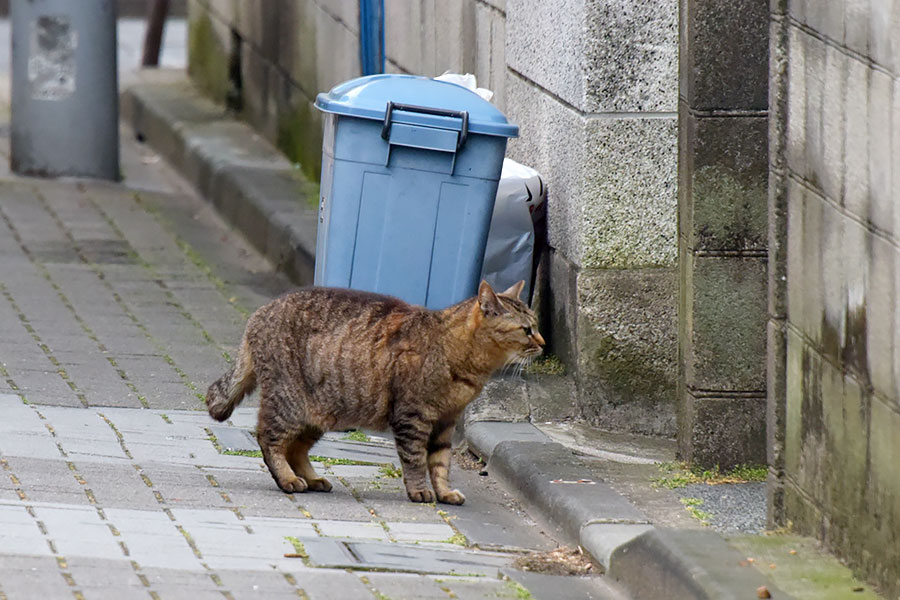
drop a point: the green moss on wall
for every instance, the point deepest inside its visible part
(207, 58)
(300, 133)
(628, 372)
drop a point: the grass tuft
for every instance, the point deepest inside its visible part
(678, 475)
(692, 505)
(357, 436)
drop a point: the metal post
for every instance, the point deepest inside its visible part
(65, 109)
(156, 22)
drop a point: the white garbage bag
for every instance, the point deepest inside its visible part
(508, 255)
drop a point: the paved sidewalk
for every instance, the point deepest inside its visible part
(119, 303)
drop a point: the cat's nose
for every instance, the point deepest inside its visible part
(538, 338)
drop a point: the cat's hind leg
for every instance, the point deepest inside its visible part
(274, 441)
(298, 458)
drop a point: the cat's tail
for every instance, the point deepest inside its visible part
(228, 390)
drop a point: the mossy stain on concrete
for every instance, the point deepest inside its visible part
(207, 58)
(300, 138)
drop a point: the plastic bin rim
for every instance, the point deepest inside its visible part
(338, 101)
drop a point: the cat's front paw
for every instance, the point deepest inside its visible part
(297, 484)
(452, 497)
(425, 495)
(319, 485)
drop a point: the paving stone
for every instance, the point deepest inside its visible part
(329, 584)
(337, 504)
(153, 540)
(262, 583)
(117, 485)
(21, 533)
(190, 579)
(183, 486)
(480, 589)
(79, 531)
(99, 573)
(42, 479)
(404, 531)
(30, 585)
(84, 432)
(401, 586)
(352, 530)
(22, 433)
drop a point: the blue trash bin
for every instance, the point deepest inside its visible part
(410, 167)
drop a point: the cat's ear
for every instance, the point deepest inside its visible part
(487, 300)
(515, 290)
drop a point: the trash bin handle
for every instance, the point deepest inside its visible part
(442, 112)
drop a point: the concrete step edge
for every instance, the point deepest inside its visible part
(286, 236)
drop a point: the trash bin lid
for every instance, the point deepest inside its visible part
(367, 98)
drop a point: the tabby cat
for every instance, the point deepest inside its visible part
(332, 359)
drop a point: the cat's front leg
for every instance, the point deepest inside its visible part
(411, 433)
(439, 453)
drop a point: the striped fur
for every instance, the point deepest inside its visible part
(330, 359)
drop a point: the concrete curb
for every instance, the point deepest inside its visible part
(251, 183)
(647, 561)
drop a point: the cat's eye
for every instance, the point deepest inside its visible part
(527, 331)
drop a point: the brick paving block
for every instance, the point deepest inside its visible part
(193, 579)
(330, 584)
(480, 589)
(84, 432)
(79, 531)
(153, 540)
(183, 487)
(402, 586)
(19, 533)
(98, 572)
(26, 585)
(411, 531)
(337, 504)
(352, 530)
(117, 485)
(178, 592)
(262, 583)
(22, 432)
(45, 387)
(45, 478)
(244, 416)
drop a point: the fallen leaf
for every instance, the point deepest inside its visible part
(763, 592)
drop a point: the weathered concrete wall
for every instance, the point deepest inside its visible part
(723, 157)
(593, 87)
(835, 250)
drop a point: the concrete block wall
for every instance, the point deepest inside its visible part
(834, 316)
(723, 154)
(593, 87)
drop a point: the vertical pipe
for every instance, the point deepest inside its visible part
(156, 21)
(371, 36)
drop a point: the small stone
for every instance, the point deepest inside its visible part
(763, 592)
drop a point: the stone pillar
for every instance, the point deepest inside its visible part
(593, 87)
(722, 198)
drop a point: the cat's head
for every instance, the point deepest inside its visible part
(505, 323)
